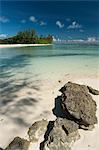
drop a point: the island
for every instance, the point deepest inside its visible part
(28, 36)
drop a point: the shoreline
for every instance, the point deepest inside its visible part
(21, 45)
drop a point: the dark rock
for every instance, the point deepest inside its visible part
(78, 104)
(18, 144)
(93, 91)
(62, 136)
(73, 87)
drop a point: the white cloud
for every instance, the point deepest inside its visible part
(42, 23)
(3, 19)
(3, 36)
(54, 39)
(33, 19)
(74, 25)
(23, 21)
(81, 30)
(91, 39)
(59, 24)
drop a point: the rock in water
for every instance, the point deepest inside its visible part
(62, 136)
(78, 104)
(18, 144)
(37, 129)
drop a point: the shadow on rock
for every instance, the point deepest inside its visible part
(58, 110)
(49, 129)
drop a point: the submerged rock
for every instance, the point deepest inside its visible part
(18, 144)
(78, 104)
(37, 129)
(62, 136)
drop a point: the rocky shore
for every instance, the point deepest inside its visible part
(75, 110)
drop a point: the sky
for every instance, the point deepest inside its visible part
(62, 19)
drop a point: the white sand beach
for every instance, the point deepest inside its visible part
(48, 92)
(21, 45)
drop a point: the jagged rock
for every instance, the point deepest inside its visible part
(78, 104)
(93, 91)
(74, 88)
(18, 144)
(37, 129)
(62, 136)
(67, 125)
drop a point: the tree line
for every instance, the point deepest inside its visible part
(27, 37)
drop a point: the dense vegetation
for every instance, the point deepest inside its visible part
(27, 37)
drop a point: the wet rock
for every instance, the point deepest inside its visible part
(37, 129)
(18, 144)
(62, 136)
(93, 91)
(78, 104)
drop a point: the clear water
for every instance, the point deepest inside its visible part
(21, 67)
(56, 59)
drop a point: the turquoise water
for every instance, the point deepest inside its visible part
(31, 64)
(49, 58)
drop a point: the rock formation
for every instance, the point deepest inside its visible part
(93, 91)
(74, 109)
(62, 136)
(18, 144)
(77, 110)
(37, 129)
(78, 104)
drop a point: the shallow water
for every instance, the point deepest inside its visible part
(49, 60)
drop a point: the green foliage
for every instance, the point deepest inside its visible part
(28, 37)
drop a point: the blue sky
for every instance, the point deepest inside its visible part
(62, 19)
